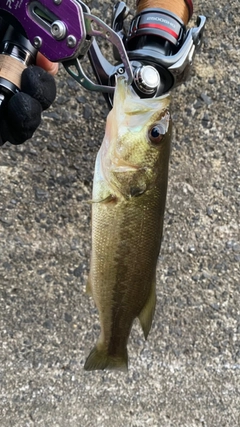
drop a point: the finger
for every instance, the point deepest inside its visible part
(39, 84)
(43, 62)
(22, 117)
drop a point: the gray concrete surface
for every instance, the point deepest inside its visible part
(188, 372)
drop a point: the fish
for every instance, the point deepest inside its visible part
(128, 203)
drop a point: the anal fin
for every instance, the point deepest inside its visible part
(147, 313)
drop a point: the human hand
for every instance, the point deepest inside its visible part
(21, 115)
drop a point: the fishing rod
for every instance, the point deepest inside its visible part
(155, 54)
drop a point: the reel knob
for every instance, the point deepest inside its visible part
(147, 79)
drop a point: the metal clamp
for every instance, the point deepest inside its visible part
(95, 27)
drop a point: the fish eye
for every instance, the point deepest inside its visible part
(156, 133)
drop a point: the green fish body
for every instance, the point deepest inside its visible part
(129, 194)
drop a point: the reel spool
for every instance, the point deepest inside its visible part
(159, 28)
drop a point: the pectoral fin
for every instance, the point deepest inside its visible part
(147, 313)
(107, 199)
(89, 285)
(137, 191)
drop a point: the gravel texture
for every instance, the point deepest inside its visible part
(188, 372)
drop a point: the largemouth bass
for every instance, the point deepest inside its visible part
(129, 193)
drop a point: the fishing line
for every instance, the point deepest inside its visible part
(181, 8)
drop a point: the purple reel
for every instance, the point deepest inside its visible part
(55, 27)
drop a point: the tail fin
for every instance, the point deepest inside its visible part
(99, 359)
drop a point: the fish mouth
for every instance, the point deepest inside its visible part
(120, 165)
(127, 168)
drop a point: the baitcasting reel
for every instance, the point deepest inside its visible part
(154, 55)
(62, 30)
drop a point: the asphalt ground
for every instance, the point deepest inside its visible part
(188, 372)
